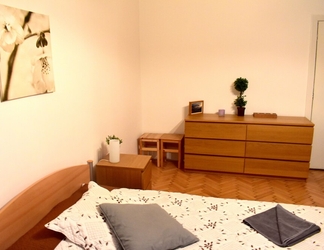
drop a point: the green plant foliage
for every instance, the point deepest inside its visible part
(240, 102)
(113, 137)
(241, 84)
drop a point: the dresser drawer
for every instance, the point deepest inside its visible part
(215, 147)
(214, 163)
(215, 130)
(277, 168)
(279, 151)
(271, 133)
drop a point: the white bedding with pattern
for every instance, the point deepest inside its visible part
(216, 222)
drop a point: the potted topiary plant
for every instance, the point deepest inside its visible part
(240, 84)
(114, 148)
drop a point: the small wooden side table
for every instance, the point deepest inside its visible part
(172, 143)
(132, 171)
(150, 142)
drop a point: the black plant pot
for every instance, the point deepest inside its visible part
(240, 111)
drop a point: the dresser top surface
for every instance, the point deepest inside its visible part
(250, 119)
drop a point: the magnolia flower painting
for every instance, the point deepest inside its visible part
(25, 54)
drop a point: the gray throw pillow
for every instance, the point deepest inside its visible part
(146, 226)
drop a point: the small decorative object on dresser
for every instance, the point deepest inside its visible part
(114, 148)
(265, 115)
(196, 107)
(221, 112)
(240, 84)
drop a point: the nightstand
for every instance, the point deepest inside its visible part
(132, 171)
(150, 142)
(172, 143)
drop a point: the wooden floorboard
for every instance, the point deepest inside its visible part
(238, 186)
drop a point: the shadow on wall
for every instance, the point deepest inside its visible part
(101, 152)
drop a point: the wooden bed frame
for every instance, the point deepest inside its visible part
(22, 213)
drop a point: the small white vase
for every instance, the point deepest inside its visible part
(114, 151)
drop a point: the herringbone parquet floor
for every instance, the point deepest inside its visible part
(237, 186)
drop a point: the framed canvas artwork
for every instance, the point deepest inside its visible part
(26, 54)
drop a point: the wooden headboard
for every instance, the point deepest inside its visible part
(23, 212)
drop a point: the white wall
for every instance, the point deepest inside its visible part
(97, 78)
(195, 49)
(130, 66)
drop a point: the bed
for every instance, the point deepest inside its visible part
(88, 216)
(19, 216)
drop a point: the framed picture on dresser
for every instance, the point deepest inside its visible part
(196, 107)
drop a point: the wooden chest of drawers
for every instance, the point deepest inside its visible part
(267, 146)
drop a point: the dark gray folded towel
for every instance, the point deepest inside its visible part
(282, 227)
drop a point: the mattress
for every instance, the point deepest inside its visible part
(217, 222)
